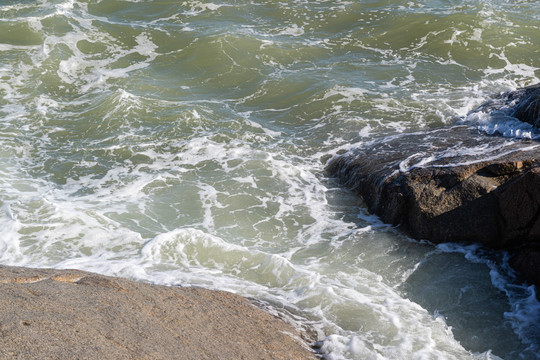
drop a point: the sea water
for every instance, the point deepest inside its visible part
(184, 143)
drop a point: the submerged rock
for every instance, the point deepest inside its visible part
(452, 184)
(70, 314)
(522, 104)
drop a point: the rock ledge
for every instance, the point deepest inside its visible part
(71, 314)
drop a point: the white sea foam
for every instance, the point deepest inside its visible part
(197, 7)
(484, 152)
(345, 94)
(502, 124)
(101, 171)
(9, 246)
(64, 7)
(293, 30)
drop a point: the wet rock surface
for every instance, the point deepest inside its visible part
(453, 184)
(70, 314)
(522, 104)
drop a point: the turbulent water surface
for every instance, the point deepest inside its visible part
(184, 142)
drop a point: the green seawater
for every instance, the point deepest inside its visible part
(184, 143)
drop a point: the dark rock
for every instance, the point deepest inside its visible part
(526, 261)
(523, 104)
(451, 185)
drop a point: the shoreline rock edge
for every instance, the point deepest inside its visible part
(456, 184)
(453, 184)
(61, 314)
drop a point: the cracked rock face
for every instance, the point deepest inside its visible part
(451, 185)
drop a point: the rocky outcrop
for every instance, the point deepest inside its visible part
(522, 104)
(69, 314)
(452, 185)
(456, 184)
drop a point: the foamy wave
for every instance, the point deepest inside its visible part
(186, 145)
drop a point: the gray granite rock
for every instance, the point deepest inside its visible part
(69, 314)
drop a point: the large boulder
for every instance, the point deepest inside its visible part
(452, 184)
(70, 314)
(522, 104)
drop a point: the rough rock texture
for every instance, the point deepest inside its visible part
(523, 104)
(68, 314)
(451, 185)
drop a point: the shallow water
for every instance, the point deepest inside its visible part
(184, 142)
